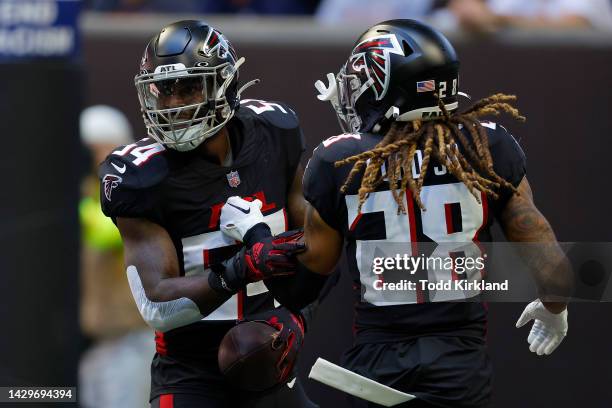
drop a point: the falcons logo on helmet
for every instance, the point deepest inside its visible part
(372, 56)
(216, 41)
(110, 182)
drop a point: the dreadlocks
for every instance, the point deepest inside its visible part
(439, 137)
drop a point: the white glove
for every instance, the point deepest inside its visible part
(238, 216)
(548, 331)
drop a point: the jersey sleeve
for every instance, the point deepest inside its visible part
(320, 188)
(127, 187)
(285, 122)
(293, 141)
(294, 147)
(119, 201)
(509, 160)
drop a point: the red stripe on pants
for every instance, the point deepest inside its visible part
(166, 401)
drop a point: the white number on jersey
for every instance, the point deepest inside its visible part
(258, 106)
(141, 153)
(401, 228)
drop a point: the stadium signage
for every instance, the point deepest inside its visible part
(38, 29)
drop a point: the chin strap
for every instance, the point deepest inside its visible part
(248, 85)
(390, 116)
(228, 80)
(464, 95)
(392, 113)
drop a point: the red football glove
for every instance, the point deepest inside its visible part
(273, 256)
(269, 257)
(290, 337)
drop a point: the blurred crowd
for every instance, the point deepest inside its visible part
(114, 370)
(265, 7)
(473, 15)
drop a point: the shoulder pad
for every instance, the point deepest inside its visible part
(277, 114)
(139, 165)
(345, 145)
(509, 159)
(499, 134)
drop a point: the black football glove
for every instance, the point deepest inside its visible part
(269, 257)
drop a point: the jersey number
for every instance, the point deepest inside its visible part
(258, 106)
(141, 153)
(453, 218)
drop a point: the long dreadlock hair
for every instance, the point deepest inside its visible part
(439, 137)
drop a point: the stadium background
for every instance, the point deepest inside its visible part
(563, 82)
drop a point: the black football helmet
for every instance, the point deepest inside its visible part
(188, 84)
(393, 73)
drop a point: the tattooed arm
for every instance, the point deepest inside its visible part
(523, 222)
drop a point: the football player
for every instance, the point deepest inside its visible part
(422, 172)
(165, 193)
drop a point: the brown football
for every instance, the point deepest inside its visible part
(248, 357)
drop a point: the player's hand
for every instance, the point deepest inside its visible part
(273, 256)
(239, 215)
(290, 337)
(548, 331)
(267, 258)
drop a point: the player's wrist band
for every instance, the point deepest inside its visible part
(219, 284)
(229, 277)
(256, 234)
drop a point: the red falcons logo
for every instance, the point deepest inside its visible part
(110, 182)
(372, 56)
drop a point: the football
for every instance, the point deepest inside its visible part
(249, 356)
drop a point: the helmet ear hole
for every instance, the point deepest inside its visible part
(407, 48)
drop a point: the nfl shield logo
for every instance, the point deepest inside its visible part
(233, 178)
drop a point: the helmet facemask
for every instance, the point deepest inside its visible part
(350, 88)
(183, 107)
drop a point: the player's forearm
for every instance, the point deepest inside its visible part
(551, 271)
(313, 259)
(161, 281)
(523, 223)
(296, 202)
(169, 303)
(297, 209)
(195, 288)
(323, 244)
(302, 288)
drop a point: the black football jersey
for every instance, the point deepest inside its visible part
(452, 215)
(184, 193)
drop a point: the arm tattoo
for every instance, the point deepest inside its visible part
(523, 223)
